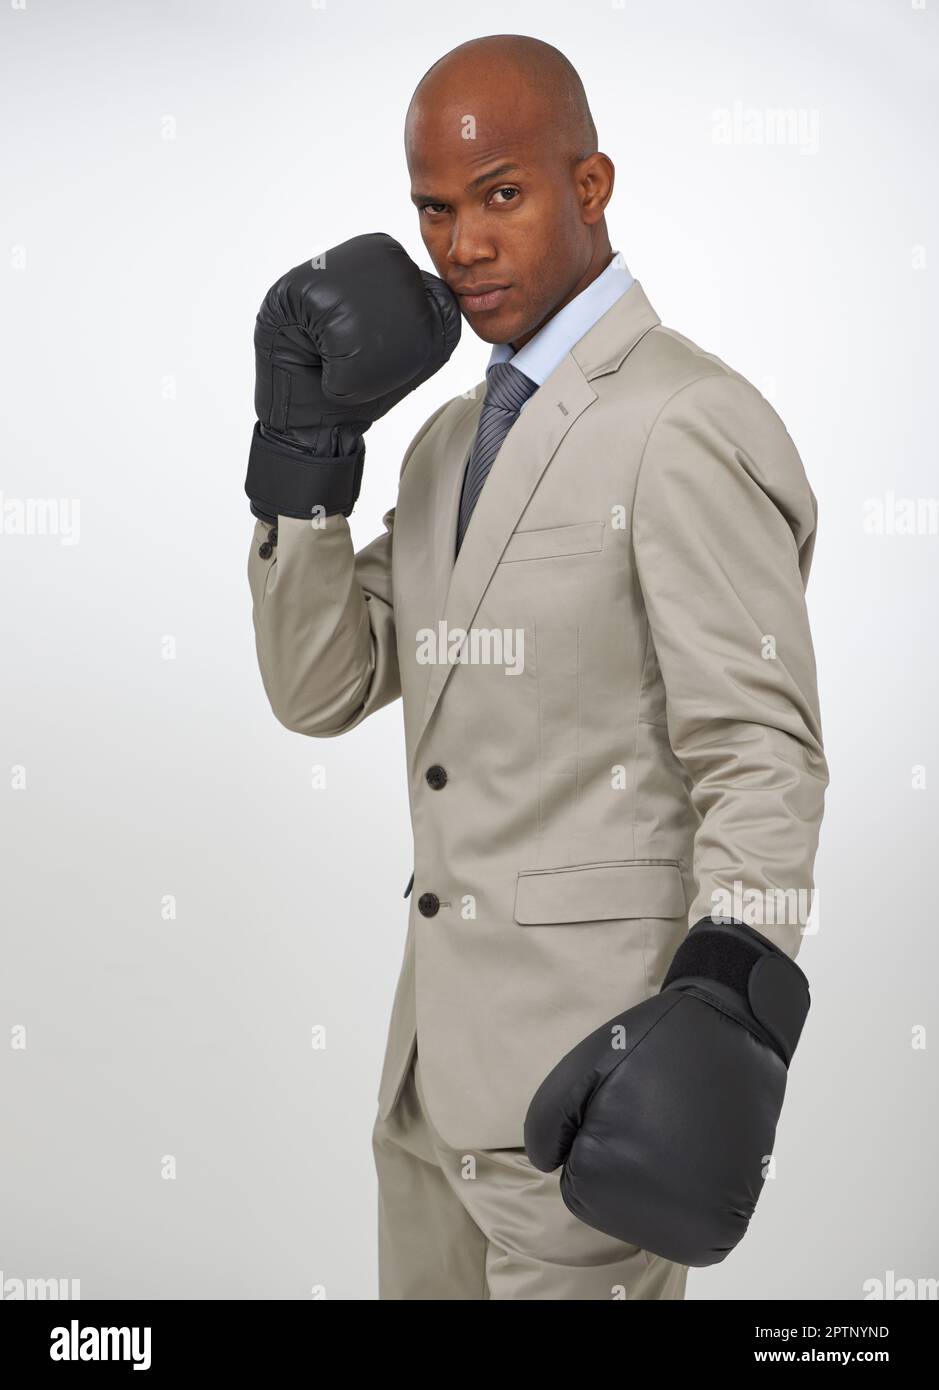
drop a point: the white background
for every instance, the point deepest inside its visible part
(165, 162)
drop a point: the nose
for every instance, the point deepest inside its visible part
(468, 246)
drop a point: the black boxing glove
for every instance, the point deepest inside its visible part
(339, 341)
(665, 1116)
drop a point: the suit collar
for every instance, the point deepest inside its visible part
(613, 337)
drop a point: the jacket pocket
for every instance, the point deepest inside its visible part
(600, 892)
(554, 540)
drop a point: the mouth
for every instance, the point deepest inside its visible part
(482, 297)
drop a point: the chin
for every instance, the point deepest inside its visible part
(493, 329)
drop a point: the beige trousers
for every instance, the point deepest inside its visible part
(486, 1223)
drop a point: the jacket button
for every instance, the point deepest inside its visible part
(265, 550)
(436, 776)
(272, 535)
(428, 904)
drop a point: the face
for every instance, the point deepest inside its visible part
(507, 224)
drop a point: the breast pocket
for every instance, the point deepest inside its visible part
(554, 541)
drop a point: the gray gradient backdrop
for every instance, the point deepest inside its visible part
(165, 162)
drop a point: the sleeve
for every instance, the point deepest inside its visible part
(723, 532)
(324, 620)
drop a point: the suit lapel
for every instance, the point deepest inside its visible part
(527, 451)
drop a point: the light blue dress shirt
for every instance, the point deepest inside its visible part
(551, 344)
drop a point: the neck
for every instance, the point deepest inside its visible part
(599, 261)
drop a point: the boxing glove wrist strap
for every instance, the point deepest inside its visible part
(283, 481)
(763, 979)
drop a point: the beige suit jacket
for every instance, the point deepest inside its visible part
(631, 738)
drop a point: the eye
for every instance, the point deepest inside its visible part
(426, 207)
(508, 188)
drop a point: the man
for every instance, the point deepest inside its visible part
(590, 595)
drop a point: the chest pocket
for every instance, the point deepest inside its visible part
(553, 541)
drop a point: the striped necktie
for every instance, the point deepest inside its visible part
(507, 390)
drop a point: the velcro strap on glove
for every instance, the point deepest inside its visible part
(766, 981)
(289, 482)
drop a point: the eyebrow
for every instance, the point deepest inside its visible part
(498, 172)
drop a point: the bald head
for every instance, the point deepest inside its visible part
(530, 77)
(509, 184)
